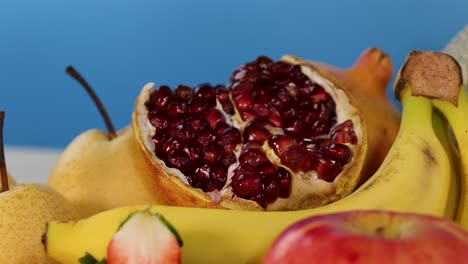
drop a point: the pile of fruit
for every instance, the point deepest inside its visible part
(290, 161)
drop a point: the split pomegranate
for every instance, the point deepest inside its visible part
(278, 136)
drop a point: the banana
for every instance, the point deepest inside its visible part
(414, 177)
(438, 77)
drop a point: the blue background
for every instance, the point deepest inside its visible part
(121, 45)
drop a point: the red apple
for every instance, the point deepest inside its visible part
(370, 236)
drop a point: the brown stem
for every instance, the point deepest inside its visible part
(75, 75)
(3, 170)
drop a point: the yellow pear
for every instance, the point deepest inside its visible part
(99, 170)
(25, 211)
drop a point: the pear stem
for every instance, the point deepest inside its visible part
(3, 170)
(75, 75)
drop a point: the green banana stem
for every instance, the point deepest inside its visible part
(457, 116)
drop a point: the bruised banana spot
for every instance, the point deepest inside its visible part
(429, 157)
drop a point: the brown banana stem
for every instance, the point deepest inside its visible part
(434, 75)
(3, 170)
(75, 75)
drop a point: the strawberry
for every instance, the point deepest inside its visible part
(145, 238)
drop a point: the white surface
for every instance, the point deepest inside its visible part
(28, 165)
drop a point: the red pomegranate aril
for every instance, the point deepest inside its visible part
(345, 137)
(246, 185)
(261, 110)
(202, 175)
(346, 126)
(176, 107)
(214, 117)
(194, 152)
(320, 127)
(205, 137)
(290, 113)
(255, 132)
(264, 84)
(267, 170)
(294, 128)
(197, 105)
(196, 122)
(252, 157)
(212, 153)
(284, 182)
(248, 115)
(280, 143)
(181, 132)
(327, 166)
(219, 174)
(297, 158)
(312, 145)
(207, 92)
(183, 92)
(230, 138)
(172, 144)
(320, 95)
(270, 190)
(243, 102)
(228, 159)
(177, 159)
(260, 199)
(281, 73)
(275, 119)
(340, 151)
(158, 120)
(263, 62)
(160, 97)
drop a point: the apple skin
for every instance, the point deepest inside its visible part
(370, 236)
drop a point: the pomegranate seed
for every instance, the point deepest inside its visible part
(194, 152)
(284, 182)
(228, 159)
(243, 102)
(281, 73)
(290, 113)
(202, 174)
(160, 97)
(345, 137)
(327, 166)
(275, 119)
(219, 174)
(196, 122)
(306, 88)
(254, 131)
(319, 95)
(158, 120)
(197, 105)
(214, 117)
(320, 127)
(181, 132)
(177, 158)
(175, 107)
(280, 143)
(294, 128)
(212, 154)
(260, 199)
(267, 170)
(207, 92)
(346, 126)
(261, 110)
(312, 145)
(205, 137)
(183, 92)
(230, 138)
(222, 93)
(270, 190)
(284, 96)
(263, 62)
(252, 157)
(297, 158)
(340, 151)
(246, 185)
(264, 83)
(172, 144)
(248, 115)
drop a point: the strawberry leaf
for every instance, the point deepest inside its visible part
(89, 259)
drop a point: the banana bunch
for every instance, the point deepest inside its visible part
(420, 174)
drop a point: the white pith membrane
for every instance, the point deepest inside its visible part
(304, 185)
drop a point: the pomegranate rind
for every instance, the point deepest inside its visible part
(173, 189)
